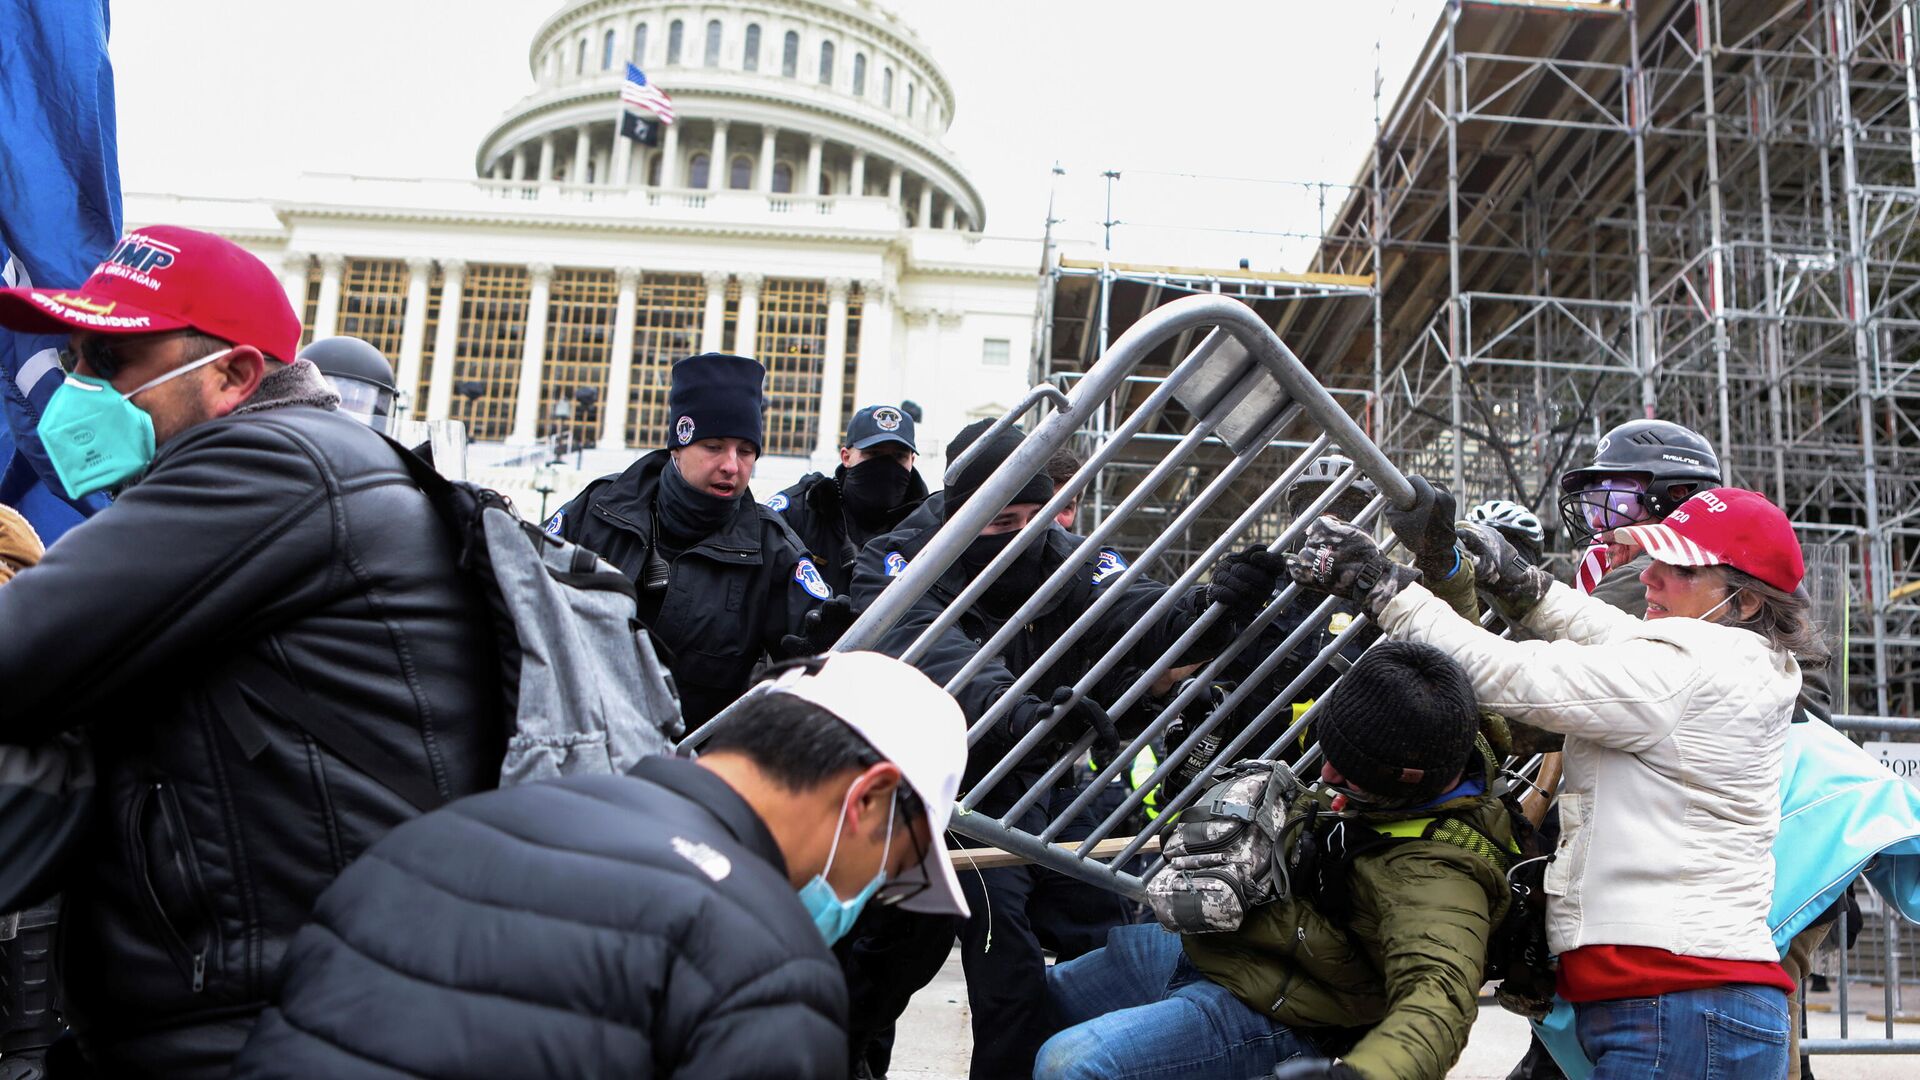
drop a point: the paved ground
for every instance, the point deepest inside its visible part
(935, 1037)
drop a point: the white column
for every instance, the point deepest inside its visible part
(833, 377)
(717, 170)
(924, 219)
(874, 379)
(946, 215)
(293, 278)
(533, 359)
(814, 145)
(622, 161)
(603, 165)
(713, 324)
(613, 411)
(413, 329)
(446, 340)
(519, 163)
(582, 154)
(546, 158)
(747, 329)
(894, 188)
(764, 182)
(326, 313)
(670, 157)
(857, 183)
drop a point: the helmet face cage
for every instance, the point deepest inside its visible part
(1608, 503)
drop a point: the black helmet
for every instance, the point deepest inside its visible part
(1322, 471)
(362, 377)
(1641, 471)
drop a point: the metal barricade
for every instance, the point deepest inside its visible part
(1238, 389)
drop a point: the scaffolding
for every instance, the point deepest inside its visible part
(1577, 214)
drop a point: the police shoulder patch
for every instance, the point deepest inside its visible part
(1108, 564)
(808, 576)
(896, 564)
(778, 502)
(557, 522)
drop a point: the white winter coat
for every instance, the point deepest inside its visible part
(1671, 796)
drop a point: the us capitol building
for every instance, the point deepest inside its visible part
(803, 210)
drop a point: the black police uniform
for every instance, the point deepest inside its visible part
(730, 598)
(818, 514)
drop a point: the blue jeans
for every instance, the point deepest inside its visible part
(1138, 1009)
(1720, 1033)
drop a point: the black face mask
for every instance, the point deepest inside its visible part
(1018, 582)
(873, 489)
(688, 515)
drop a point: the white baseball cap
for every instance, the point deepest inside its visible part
(913, 723)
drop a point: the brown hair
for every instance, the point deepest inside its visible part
(1785, 619)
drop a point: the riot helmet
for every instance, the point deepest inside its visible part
(1641, 471)
(359, 374)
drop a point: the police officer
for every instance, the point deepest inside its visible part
(1031, 907)
(875, 487)
(359, 374)
(723, 582)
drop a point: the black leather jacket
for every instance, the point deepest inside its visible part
(731, 597)
(291, 537)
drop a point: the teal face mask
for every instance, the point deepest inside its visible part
(96, 436)
(832, 916)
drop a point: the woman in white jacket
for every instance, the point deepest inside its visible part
(1658, 892)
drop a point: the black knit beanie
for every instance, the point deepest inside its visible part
(1401, 723)
(1038, 490)
(716, 396)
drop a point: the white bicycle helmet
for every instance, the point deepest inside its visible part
(1508, 516)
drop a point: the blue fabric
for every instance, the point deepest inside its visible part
(1465, 789)
(1721, 1033)
(1137, 1010)
(59, 216)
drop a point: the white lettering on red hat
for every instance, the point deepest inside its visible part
(1714, 505)
(137, 258)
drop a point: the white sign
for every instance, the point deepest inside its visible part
(1902, 758)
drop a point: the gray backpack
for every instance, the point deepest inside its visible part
(1220, 860)
(580, 684)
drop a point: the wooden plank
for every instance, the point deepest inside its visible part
(965, 859)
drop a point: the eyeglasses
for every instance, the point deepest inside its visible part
(894, 892)
(105, 355)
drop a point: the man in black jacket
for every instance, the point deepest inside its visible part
(724, 583)
(875, 487)
(270, 539)
(1006, 969)
(641, 925)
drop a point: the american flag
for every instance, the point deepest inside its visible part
(1593, 567)
(641, 94)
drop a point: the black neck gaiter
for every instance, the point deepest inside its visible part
(686, 515)
(873, 490)
(1019, 581)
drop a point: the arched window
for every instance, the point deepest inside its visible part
(886, 87)
(740, 173)
(580, 61)
(783, 178)
(713, 43)
(909, 99)
(640, 45)
(790, 55)
(826, 63)
(859, 74)
(750, 56)
(676, 36)
(697, 171)
(606, 51)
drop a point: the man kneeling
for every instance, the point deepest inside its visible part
(1370, 967)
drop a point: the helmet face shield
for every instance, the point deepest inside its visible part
(1604, 504)
(366, 402)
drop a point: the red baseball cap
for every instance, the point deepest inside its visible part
(164, 277)
(1725, 527)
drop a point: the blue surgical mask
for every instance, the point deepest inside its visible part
(96, 436)
(832, 915)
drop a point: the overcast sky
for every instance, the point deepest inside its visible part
(218, 97)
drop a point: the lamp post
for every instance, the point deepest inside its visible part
(586, 409)
(546, 480)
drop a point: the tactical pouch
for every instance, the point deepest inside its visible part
(1220, 858)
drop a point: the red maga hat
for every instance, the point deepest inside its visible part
(1725, 527)
(164, 277)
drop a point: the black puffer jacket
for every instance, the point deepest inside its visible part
(294, 538)
(607, 926)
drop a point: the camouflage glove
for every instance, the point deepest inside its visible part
(1515, 584)
(820, 629)
(1305, 1068)
(1426, 528)
(1244, 581)
(1337, 558)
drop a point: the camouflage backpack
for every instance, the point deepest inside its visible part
(1220, 861)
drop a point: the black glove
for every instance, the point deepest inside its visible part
(1032, 710)
(1426, 528)
(1515, 584)
(1306, 1068)
(1244, 581)
(1337, 558)
(821, 628)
